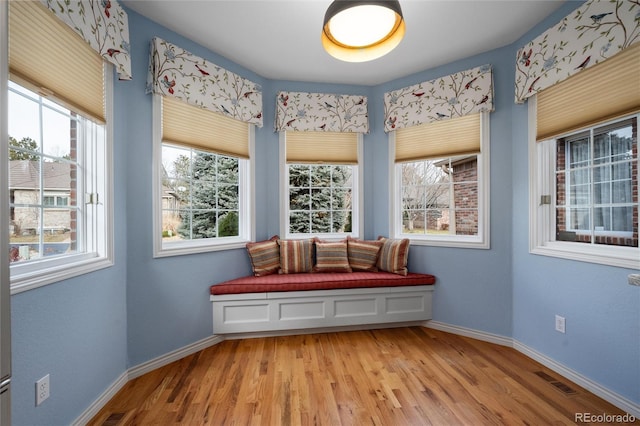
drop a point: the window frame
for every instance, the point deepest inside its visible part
(480, 241)
(98, 228)
(542, 222)
(357, 214)
(246, 200)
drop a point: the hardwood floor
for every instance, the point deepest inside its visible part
(401, 376)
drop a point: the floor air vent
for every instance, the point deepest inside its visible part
(562, 387)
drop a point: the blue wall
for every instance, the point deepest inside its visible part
(602, 311)
(87, 331)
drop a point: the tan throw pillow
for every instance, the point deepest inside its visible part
(393, 255)
(265, 256)
(296, 256)
(363, 255)
(331, 257)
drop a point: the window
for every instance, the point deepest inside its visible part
(584, 165)
(320, 184)
(596, 177)
(588, 202)
(202, 182)
(440, 195)
(59, 159)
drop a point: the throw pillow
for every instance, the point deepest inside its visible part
(296, 256)
(331, 257)
(393, 255)
(265, 256)
(363, 255)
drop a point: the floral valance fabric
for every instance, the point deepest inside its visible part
(176, 72)
(301, 111)
(455, 95)
(101, 23)
(594, 32)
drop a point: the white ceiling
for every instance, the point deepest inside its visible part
(280, 39)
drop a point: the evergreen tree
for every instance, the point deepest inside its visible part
(28, 147)
(214, 197)
(319, 198)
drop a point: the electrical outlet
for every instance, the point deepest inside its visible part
(42, 390)
(559, 323)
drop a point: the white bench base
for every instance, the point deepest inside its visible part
(299, 310)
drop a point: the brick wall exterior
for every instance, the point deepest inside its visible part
(466, 197)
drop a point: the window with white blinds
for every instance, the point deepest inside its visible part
(188, 125)
(606, 91)
(49, 58)
(60, 141)
(440, 182)
(202, 179)
(320, 184)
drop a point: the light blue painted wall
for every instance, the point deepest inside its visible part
(87, 331)
(74, 330)
(474, 286)
(167, 298)
(602, 311)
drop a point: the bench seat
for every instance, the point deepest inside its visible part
(319, 281)
(303, 302)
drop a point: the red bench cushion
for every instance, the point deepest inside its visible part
(323, 281)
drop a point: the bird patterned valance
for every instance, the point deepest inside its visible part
(594, 32)
(456, 95)
(301, 111)
(102, 24)
(176, 72)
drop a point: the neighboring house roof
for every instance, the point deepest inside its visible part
(24, 174)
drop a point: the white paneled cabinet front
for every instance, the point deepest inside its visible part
(300, 310)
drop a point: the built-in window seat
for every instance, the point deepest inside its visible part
(302, 301)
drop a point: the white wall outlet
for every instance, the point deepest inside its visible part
(559, 324)
(42, 390)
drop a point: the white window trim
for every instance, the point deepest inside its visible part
(542, 240)
(49, 271)
(247, 205)
(357, 218)
(480, 241)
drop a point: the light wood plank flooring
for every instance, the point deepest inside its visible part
(400, 376)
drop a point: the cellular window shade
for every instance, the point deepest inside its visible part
(322, 147)
(48, 57)
(607, 90)
(439, 139)
(188, 125)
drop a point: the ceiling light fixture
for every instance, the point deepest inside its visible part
(359, 31)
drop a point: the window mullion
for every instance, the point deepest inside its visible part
(592, 187)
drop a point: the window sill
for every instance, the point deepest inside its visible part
(32, 280)
(203, 246)
(459, 242)
(621, 257)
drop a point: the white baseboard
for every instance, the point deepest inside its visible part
(469, 332)
(619, 401)
(172, 356)
(138, 371)
(102, 400)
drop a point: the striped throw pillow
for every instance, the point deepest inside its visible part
(296, 256)
(331, 257)
(265, 256)
(393, 255)
(363, 255)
